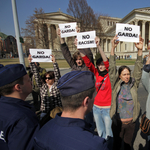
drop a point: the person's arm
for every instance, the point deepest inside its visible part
(100, 50)
(34, 70)
(89, 54)
(56, 70)
(112, 62)
(145, 75)
(106, 63)
(88, 63)
(65, 50)
(137, 72)
(62, 40)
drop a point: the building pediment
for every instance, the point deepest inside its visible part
(145, 10)
(139, 13)
(55, 16)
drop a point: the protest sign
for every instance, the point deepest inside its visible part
(86, 39)
(68, 29)
(41, 55)
(127, 32)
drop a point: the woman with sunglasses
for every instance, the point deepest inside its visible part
(50, 96)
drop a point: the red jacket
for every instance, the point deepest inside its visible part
(103, 97)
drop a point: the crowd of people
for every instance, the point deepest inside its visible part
(72, 105)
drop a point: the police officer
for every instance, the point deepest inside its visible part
(68, 130)
(18, 123)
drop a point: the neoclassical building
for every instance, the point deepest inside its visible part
(46, 26)
(50, 22)
(140, 17)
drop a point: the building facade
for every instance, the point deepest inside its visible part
(46, 26)
(140, 17)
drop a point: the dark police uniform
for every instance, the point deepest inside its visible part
(18, 124)
(63, 133)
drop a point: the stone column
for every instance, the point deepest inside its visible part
(106, 46)
(109, 45)
(49, 36)
(102, 44)
(119, 47)
(136, 21)
(57, 40)
(143, 32)
(36, 34)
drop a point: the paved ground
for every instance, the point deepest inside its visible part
(139, 138)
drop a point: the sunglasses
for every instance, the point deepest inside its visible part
(49, 78)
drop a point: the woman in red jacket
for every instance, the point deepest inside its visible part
(102, 100)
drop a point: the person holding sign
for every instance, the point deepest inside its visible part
(125, 108)
(50, 96)
(76, 62)
(102, 100)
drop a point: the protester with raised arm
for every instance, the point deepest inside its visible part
(50, 96)
(102, 100)
(125, 108)
(75, 62)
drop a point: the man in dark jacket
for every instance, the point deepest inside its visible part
(18, 123)
(76, 63)
(68, 130)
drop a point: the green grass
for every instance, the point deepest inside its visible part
(125, 62)
(61, 63)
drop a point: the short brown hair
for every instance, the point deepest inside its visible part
(8, 88)
(73, 102)
(76, 55)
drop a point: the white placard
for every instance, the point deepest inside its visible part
(41, 55)
(68, 29)
(86, 39)
(127, 32)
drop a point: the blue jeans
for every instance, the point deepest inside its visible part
(103, 121)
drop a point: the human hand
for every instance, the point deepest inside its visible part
(77, 29)
(58, 32)
(29, 58)
(139, 45)
(75, 42)
(53, 58)
(97, 40)
(114, 42)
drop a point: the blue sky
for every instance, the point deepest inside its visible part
(25, 8)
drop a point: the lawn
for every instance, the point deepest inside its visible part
(61, 63)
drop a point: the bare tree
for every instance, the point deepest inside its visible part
(35, 33)
(80, 10)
